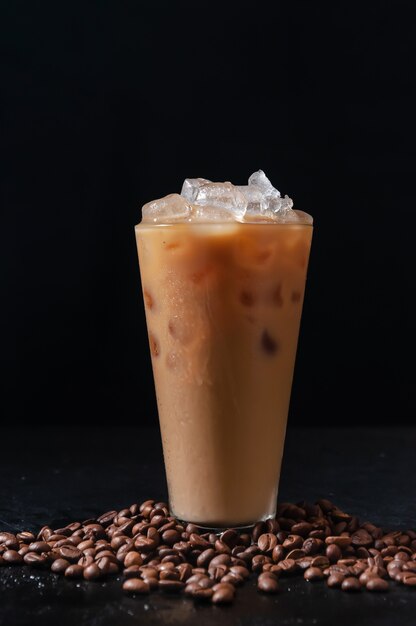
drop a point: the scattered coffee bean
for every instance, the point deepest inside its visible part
(267, 584)
(377, 584)
(351, 584)
(155, 551)
(74, 571)
(12, 557)
(136, 586)
(313, 573)
(92, 572)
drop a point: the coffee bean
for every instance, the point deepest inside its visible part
(361, 538)
(130, 572)
(92, 572)
(74, 571)
(12, 557)
(266, 542)
(333, 553)
(313, 573)
(350, 584)
(191, 588)
(239, 571)
(206, 582)
(132, 558)
(287, 566)
(197, 541)
(229, 537)
(267, 584)
(205, 557)
(278, 553)
(202, 595)
(335, 579)
(84, 561)
(136, 586)
(293, 542)
(224, 595)
(409, 580)
(35, 560)
(59, 566)
(39, 547)
(311, 545)
(342, 542)
(25, 536)
(171, 586)
(70, 553)
(377, 584)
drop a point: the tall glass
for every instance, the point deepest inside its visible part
(223, 305)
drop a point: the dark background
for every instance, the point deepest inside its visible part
(106, 106)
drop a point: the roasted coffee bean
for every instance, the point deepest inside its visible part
(223, 586)
(84, 561)
(293, 542)
(313, 573)
(409, 579)
(258, 530)
(259, 561)
(39, 547)
(217, 573)
(70, 553)
(59, 566)
(136, 586)
(361, 538)
(92, 571)
(25, 536)
(287, 566)
(205, 557)
(377, 584)
(312, 545)
(35, 560)
(266, 542)
(320, 561)
(342, 542)
(239, 571)
(131, 572)
(295, 554)
(267, 584)
(278, 553)
(333, 553)
(132, 558)
(351, 584)
(229, 537)
(171, 586)
(335, 579)
(197, 541)
(74, 571)
(233, 579)
(168, 575)
(202, 595)
(191, 588)
(12, 557)
(223, 595)
(185, 571)
(107, 518)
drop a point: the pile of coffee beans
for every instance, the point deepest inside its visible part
(154, 551)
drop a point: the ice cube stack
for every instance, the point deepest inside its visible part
(202, 200)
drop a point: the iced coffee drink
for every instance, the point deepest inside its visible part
(223, 272)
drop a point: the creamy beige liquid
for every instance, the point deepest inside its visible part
(223, 305)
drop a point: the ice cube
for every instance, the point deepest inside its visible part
(190, 187)
(256, 200)
(219, 199)
(260, 180)
(171, 208)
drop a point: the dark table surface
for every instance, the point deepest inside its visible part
(55, 475)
